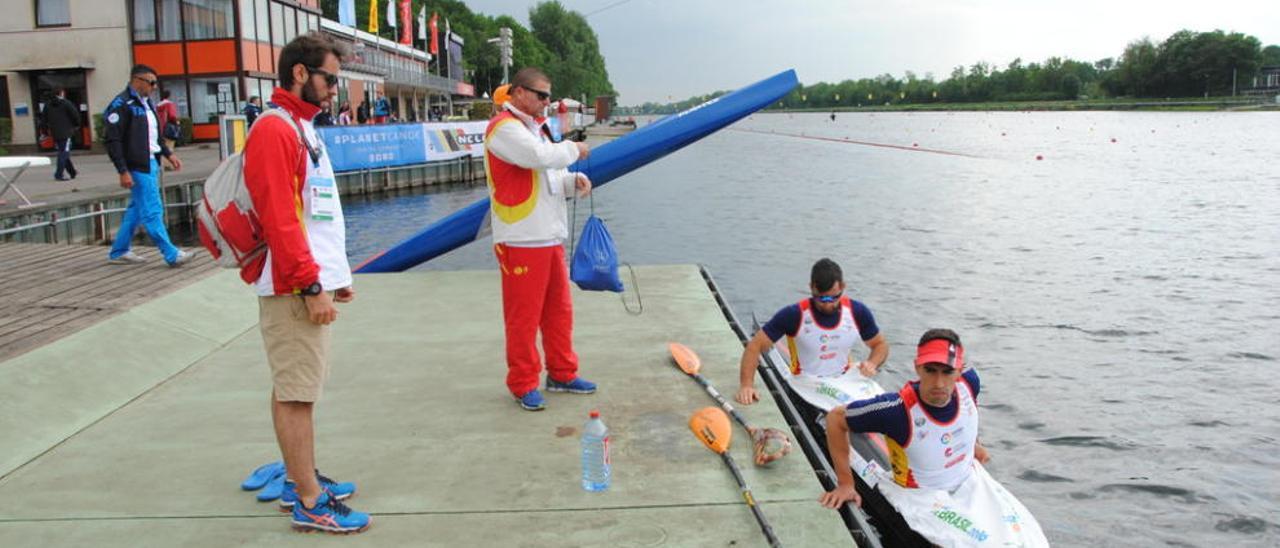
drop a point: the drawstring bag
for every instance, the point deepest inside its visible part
(595, 261)
(594, 266)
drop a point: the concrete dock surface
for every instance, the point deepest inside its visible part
(138, 430)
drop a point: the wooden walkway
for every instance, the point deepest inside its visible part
(51, 290)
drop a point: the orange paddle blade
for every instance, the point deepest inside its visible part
(711, 425)
(685, 358)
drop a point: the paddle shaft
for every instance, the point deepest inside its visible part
(751, 500)
(723, 402)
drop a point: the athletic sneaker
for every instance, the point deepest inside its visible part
(183, 257)
(127, 258)
(578, 385)
(340, 491)
(532, 401)
(329, 516)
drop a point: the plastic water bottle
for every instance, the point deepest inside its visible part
(595, 454)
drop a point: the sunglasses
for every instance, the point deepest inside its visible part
(542, 95)
(330, 78)
(828, 299)
(151, 83)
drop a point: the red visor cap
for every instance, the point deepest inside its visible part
(941, 351)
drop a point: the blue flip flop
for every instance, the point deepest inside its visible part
(273, 489)
(262, 476)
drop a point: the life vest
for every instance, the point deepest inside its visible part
(822, 351)
(937, 455)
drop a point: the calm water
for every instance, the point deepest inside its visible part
(1120, 298)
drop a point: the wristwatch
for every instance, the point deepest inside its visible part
(311, 290)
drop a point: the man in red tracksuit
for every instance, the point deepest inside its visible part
(528, 186)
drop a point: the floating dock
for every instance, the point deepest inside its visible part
(137, 430)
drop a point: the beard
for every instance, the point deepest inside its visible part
(317, 98)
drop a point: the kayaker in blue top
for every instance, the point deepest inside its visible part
(821, 332)
(931, 425)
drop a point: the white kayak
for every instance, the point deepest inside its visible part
(979, 513)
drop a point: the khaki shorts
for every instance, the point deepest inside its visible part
(297, 350)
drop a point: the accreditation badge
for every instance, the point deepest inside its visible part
(324, 199)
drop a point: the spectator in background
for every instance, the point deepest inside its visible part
(170, 129)
(63, 120)
(381, 109)
(251, 110)
(362, 113)
(344, 114)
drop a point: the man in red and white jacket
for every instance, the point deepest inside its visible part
(528, 186)
(304, 271)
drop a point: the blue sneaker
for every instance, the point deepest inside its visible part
(273, 489)
(532, 401)
(329, 516)
(578, 385)
(340, 491)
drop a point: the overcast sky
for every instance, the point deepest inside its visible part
(669, 50)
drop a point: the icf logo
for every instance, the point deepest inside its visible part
(946, 438)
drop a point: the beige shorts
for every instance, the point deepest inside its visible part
(297, 350)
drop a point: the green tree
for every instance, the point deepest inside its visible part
(1270, 56)
(576, 67)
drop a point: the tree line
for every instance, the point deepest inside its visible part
(1187, 64)
(559, 41)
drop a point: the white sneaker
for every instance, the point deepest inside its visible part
(127, 258)
(182, 258)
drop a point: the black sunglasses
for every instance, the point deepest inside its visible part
(329, 78)
(542, 95)
(151, 83)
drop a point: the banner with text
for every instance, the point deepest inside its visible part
(354, 148)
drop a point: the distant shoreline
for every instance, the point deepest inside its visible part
(1175, 105)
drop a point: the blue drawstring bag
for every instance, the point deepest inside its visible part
(595, 261)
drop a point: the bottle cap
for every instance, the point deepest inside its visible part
(595, 414)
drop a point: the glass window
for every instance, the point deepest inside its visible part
(170, 22)
(177, 89)
(277, 24)
(264, 23)
(290, 24)
(144, 20)
(211, 97)
(248, 30)
(51, 13)
(207, 19)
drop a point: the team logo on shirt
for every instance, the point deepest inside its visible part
(919, 422)
(946, 438)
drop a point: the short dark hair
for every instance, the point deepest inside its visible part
(527, 76)
(310, 50)
(165, 94)
(59, 90)
(825, 275)
(940, 333)
(139, 70)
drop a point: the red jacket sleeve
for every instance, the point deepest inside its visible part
(274, 172)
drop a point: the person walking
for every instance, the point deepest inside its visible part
(303, 273)
(528, 187)
(63, 120)
(170, 130)
(134, 145)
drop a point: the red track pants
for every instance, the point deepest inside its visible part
(535, 297)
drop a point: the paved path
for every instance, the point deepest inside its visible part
(97, 177)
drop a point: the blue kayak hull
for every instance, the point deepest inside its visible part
(606, 163)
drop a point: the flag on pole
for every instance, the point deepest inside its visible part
(373, 17)
(391, 12)
(422, 24)
(406, 31)
(347, 12)
(435, 29)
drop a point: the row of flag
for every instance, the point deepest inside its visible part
(347, 16)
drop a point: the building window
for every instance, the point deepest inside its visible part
(53, 13)
(170, 22)
(277, 24)
(290, 24)
(264, 23)
(211, 97)
(248, 31)
(177, 88)
(208, 19)
(144, 20)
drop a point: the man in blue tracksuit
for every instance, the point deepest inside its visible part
(134, 145)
